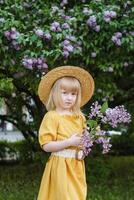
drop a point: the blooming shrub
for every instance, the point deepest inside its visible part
(95, 26)
(36, 36)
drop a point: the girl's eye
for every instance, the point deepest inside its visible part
(73, 93)
(64, 92)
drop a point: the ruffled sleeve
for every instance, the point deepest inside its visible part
(48, 128)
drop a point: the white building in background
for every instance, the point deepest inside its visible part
(8, 132)
(5, 126)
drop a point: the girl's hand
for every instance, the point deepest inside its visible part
(74, 140)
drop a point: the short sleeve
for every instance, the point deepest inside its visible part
(48, 128)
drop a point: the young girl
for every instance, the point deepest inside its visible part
(64, 90)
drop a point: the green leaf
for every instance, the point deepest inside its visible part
(104, 107)
(91, 123)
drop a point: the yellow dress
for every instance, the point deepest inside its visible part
(63, 178)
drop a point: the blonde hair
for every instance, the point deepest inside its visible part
(68, 83)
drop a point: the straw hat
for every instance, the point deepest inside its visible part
(85, 79)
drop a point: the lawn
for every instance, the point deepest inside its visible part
(110, 178)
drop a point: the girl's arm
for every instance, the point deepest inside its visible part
(54, 146)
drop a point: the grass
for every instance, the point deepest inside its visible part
(111, 178)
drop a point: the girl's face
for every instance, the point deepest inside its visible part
(68, 99)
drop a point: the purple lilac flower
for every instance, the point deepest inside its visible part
(107, 19)
(108, 15)
(47, 36)
(95, 110)
(63, 3)
(113, 14)
(44, 35)
(104, 140)
(65, 26)
(69, 45)
(100, 140)
(116, 38)
(30, 63)
(116, 116)
(55, 26)
(92, 21)
(13, 34)
(86, 142)
(106, 148)
(71, 38)
(68, 48)
(106, 145)
(39, 33)
(87, 11)
(66, 42)
(66, 17)
(118, 34)
(97, 28)
(7, 34)
(15, 45)
(65, 54)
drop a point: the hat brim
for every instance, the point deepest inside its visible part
(84, 77)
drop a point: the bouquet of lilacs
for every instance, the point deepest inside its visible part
(100, 119)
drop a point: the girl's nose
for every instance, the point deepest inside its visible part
(69, 96)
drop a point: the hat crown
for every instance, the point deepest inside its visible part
(84, 77)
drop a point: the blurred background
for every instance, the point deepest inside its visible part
(36, 36)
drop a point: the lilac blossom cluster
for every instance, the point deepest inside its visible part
(87, 11)
(69, 45)
(116, 38)
(86, 142)
(102, 115)
(12, 35)
(31, 63)
(108, 15)
(46, 36)
(101, 138)
(95, 110)
(63, 3)
(55, 27)
(116, 116)
(89, 139)
(91, 22)
(111, 116)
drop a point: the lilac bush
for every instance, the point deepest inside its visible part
(97, 35)
(94, 24)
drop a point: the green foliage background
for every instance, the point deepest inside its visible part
(112, 66)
